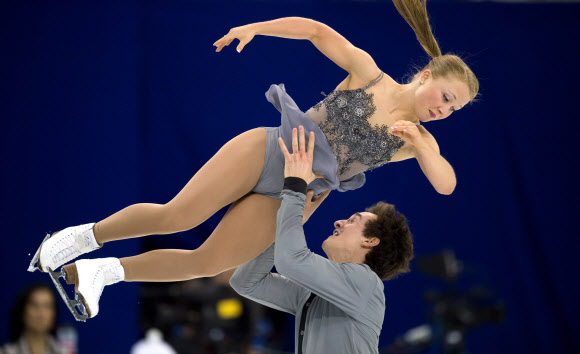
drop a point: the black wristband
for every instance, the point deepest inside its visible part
(295, 184)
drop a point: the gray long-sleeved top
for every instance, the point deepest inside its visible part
(347, 314)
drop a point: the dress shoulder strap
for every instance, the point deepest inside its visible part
(372, 83)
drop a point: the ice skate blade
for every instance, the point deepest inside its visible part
(34, 262)
(75, 306)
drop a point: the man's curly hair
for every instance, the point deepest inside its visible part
(392, 255)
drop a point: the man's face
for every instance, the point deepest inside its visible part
(347, 235)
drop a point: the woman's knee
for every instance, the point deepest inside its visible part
(211, 270)
(173, 219)
(206, 263)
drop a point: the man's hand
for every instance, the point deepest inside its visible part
(299, 162)
(312, 203)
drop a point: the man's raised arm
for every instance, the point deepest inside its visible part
(255, 281)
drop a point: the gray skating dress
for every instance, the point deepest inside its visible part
(346, 145)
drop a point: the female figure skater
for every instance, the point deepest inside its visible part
(367, 121)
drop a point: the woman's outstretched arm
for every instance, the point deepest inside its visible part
(334, 46)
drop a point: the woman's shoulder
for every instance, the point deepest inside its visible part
(389, 80)
(389, 84)
(375, 78)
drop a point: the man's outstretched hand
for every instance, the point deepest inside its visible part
(299, 162)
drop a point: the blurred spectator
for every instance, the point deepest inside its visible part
(152, 344)
(206, 316)
(33, 323)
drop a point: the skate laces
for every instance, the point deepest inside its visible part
(112, 268)
(66, 249)
(98, 283)
(85, 242)
(76, 241)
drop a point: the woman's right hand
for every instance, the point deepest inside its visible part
(243, 33)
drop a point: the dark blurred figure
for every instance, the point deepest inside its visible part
(33, 323)
(206, 316)
(454, 313)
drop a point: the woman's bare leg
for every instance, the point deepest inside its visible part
(231, 173)
(247, 229)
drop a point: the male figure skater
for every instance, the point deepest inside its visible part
(338, 302)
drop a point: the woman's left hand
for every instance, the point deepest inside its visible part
(408, 131)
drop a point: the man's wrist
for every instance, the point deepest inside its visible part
(295, 184)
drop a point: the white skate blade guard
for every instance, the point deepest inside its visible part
(75, 306)
(34, 262)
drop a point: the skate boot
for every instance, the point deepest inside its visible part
(64, 246)
(89, 277)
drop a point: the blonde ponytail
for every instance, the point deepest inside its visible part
(415, 13)
(448, 65)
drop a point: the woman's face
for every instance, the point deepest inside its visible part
(39, 313)
(436, 99)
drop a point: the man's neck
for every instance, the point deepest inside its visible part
(347, 257)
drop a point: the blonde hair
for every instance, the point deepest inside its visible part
(449, 65)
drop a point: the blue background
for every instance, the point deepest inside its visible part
(107, 104)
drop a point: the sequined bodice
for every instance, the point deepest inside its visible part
(343, 117)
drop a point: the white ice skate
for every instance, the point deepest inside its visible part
(63, 247)
(92, 276)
